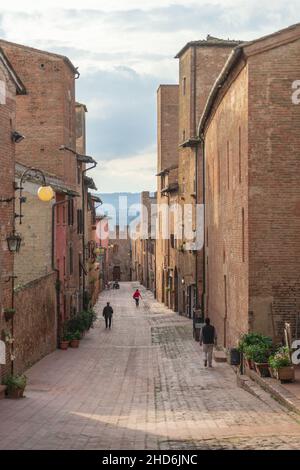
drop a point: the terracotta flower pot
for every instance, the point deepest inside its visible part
(75, 343)
(284, 374)
(64, 345)
(14, 392)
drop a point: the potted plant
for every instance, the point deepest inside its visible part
(248, 355)
(260, 355)
(281, 367)
(64, 343)
(9, 313)
(15, 385)
(246, 344)
(74, 343)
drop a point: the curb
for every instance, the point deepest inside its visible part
(279, 393)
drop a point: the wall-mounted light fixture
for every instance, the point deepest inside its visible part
(45, 193)
(14, 242)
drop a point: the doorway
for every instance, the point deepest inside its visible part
(176, 290)
(116, 273)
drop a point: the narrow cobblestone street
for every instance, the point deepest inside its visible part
(141, 385)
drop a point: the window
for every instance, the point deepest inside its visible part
(64, 214)
(78, 174)
(172, 240)
(80, 270)
(79, 221)
(184, 86)
(71, 260)
(183, 135)
(70, 211)
(115, 248)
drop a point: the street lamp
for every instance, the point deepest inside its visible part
(45, 193)
(14, 242)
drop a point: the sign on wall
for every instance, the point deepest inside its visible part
(2, 353)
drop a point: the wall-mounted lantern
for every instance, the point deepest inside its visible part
(14, 242)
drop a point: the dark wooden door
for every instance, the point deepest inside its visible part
(116, 273)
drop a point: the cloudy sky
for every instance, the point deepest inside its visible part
(124, 50)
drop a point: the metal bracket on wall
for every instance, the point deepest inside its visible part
(9, 199)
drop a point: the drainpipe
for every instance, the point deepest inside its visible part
(83, 224)
(204, 221)
(196, 253)
(54, 268)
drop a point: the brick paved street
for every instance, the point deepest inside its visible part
(140, 385)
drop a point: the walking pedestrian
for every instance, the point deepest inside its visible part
(137, 296)
(208, 337)
(108, 313)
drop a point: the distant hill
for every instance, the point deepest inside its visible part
(117, 199)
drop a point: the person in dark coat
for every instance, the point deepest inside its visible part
(208, 337)
(108, 313)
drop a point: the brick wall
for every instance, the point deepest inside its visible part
(226, 148)
(7, 164)
(274, 195)
(34, 259)
(34, 322)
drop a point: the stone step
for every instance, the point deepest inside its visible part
(220, 356)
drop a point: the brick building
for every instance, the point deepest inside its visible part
(86, 213)
(167, 189)
(136, 256)
(102, 248)
(200, 63)
(10, 86)
(143, 258)
(119, 255)
(251, 133)
(52, 233)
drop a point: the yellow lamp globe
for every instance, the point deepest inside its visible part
(45, 193)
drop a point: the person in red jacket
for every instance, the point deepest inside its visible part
(137, 296)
